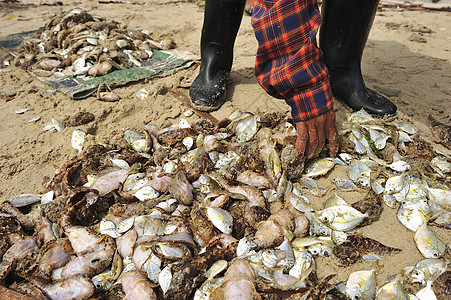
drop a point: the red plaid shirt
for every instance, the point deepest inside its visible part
(289, 64)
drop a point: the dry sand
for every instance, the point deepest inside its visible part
(415, 76)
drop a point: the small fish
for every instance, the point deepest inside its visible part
(411, 216)
(165, 278)
(205, 290)
(216, 268)
(303, 265)
(221, 219)
(320, 166)
(399, 166)
(140, 142)
(134, 182)
(395, 184)
(379, 138)
(428, 243)
(345, 157)
(103, 281)
(324, 248)
(359, 173)
(361, 284)
(360, 117)
(312, 186)
(341, 217)
(78, 139)
(339, 237)
(24, 200)
(334, 201)
(35, 119)
(108, 228)
(301, 203)
(316, 226)
(428, 269)
(441, 131)
(245, 246)
(125, 225)
(406, 127)
(441, 164)
(392, 290)
(146, 193)
(377, 187)
(247, 128)
(427, 292)
(344, 184)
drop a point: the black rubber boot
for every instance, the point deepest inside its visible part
(222, 20)
(343, 33)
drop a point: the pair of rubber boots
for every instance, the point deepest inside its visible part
(343, 34)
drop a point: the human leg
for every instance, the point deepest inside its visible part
(222, 20)
(343, 33)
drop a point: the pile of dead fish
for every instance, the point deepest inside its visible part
(79, 44)
(196, 211)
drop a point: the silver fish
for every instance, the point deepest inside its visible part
(24, 200)
(359, 173)
(221, 219)
(361, 284)
(428, 243)
(320, 166)
(341, 217)
(344, 184)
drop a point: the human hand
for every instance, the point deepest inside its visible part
(312, 135)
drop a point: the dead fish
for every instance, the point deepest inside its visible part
(24, 200)
(341, 217)
(181, 189)
(362, 284)
(359, 173)
(109, 97)
(356, 246)
(344, 184)
(78, 139)
(392, 290)
(221, 219)
(136, 285)
(428, 243)
(239, 283)
(320, 166)
(441, 131)
(254, 179)
(110, 181)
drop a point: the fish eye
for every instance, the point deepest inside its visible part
(326, 219)
(404, 202)
(356, 297)
(435, 254)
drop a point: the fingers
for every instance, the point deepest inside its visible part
(331, 133)
(312, 139)
(301, 141)
(320, 129)
(312, 135)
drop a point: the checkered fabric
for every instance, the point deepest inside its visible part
(289, 65)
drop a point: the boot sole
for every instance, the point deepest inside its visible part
(207, 108)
